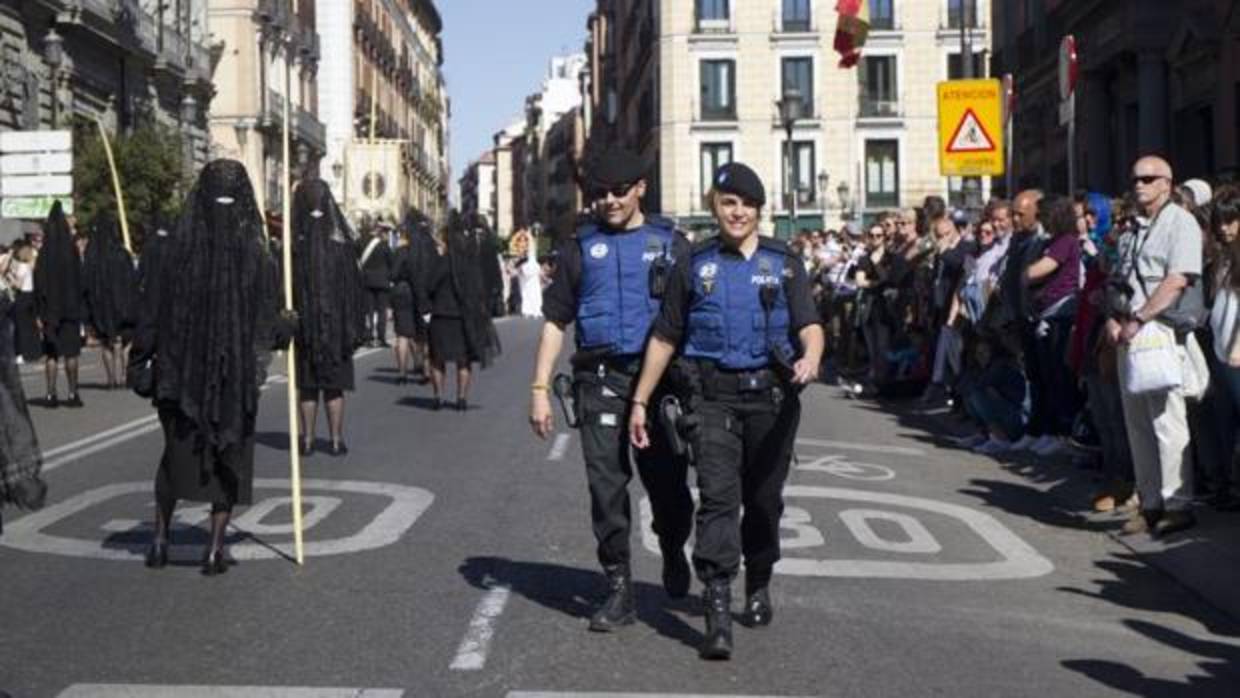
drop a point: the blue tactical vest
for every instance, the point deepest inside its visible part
(615, 306)
(727, 321)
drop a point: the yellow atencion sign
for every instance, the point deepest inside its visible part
(971, 128)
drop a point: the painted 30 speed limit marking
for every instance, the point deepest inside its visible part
(322, 498)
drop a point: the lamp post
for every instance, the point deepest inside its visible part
(823, 180)
(189, 115)
(789, 111)
(845, 201)
(54, 54)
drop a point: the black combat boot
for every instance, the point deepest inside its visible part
(676, 573)
(717, 598)
(757, 611)
(617, 610)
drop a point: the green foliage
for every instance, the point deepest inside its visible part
(149, 162)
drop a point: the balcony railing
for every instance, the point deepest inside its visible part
(722, 25)
(872, 107)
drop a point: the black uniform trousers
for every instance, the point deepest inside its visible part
(377, 302)
(744, 443)
(602, 396)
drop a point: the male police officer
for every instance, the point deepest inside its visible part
(737, 308)
(610, 280)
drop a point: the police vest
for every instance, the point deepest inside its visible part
(728, 321)
(616, 306)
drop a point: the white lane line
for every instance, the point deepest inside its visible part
(133, 429)
(472, 654)
(120, 690)
(587, 694)
(53, 452)
(864, 448)
(559, 447)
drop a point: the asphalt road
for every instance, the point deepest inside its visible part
(450, 554)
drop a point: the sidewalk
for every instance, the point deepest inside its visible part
(1204, 559)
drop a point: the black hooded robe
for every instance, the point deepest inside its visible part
(327, 290)
(110, 284)
(58, 288)
(21, 461)
(210, 314)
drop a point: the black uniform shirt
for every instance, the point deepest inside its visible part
(560, 299)
(670, 325)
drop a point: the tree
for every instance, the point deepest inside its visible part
(150, 167)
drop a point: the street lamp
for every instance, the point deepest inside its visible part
(845, 200)
(54, 54)
(823, 180)
(789, 111)
(189, 115)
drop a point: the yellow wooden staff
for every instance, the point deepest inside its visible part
(294, 441)
(116, 185)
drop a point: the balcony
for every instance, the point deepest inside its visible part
(714, 25)
(874, 107)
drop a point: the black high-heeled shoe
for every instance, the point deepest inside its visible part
(339, 449)
(307, 448)
(437, 404)
(402, 380)
(157, 555)
(214, 563)
(51, 401)
(461, 404)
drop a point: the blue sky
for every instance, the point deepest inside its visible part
(495, 53)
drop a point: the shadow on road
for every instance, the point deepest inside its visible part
(577, 592)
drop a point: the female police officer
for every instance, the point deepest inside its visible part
(736, 309)
(609, 279)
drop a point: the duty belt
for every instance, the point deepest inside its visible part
(736, 382)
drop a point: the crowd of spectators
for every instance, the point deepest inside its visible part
(1033, 319)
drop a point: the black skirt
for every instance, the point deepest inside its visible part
(339, 376)
(447, 341)
(64, 341)
(195, 474)
(405, 317)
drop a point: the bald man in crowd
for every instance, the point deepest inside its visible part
(1160, 263)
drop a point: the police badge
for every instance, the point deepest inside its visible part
(707, 273)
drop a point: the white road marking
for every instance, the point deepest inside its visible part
(864, 448)
(559, 447)
(29, 533)
(1019, 559)
(919, 540)
(837, 465)
(133, 429)
(472, 654)
(121, 690)
(587, 694)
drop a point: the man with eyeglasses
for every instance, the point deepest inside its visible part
(609, 280)
(1159, 262)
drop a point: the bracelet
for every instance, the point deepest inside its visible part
(639, 403)
(539, 387)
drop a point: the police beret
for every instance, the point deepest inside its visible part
(614, 164)
(737, 178)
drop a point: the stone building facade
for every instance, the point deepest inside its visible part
(1156, 77)
(694, 85)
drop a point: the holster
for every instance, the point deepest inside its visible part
(566, 394)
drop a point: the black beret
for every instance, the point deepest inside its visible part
(614, 165)
(737, 178)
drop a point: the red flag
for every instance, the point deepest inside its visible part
(852, 31)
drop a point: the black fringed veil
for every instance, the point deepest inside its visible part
(109, 280)
(58, 273)
(469, 283)
(216, 302)
(327, 283)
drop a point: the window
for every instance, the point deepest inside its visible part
(882, 174)
(802, 173)
(959, 190)
(960, 11)
(878, 86)
(882, 15)
(718, 90)
(953, 66)
(798, 74)
(714, 156)
(713, 15)
(796, 16)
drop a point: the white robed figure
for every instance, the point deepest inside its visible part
(530, 276)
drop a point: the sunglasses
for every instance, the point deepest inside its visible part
(616, 190)
(1146, 179)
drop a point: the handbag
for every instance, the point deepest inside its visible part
(1153, 361)
(1195, 369)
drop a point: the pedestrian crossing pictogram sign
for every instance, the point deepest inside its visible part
(971, 128)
